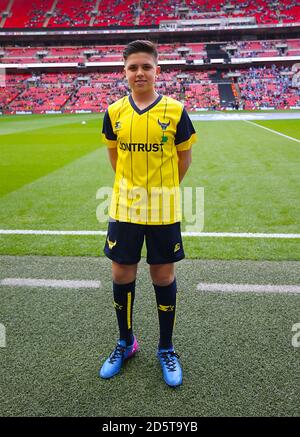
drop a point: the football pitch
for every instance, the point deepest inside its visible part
(238, 298)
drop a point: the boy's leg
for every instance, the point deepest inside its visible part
(123, 246)
(124, 292)
(164, 282)
(164, 248)
(123, 273)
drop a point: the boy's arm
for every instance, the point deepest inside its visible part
(113, 157)
(184, 161)
(110, 138)
(184, 138)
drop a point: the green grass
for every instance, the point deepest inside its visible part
(287, 127)
(52, 166)
(40, 146)
(235, 349)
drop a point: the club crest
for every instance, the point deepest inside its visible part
(164, 126)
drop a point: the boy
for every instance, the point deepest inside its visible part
(149, 139)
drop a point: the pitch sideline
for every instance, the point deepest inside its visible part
(248, 288)
(202, 286)
(273, 131)
(184, 234)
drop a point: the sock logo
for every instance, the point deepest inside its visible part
(111, 244)
(166, 308)
(176, 247)
(118, 306)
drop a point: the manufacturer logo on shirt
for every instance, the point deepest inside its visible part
(117, 125)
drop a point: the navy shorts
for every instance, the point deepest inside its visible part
(124, 243)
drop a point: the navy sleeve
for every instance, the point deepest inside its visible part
(185, 129)
(107, 129)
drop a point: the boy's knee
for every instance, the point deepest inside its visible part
(123, 274)
(163, 281)
(161, 275)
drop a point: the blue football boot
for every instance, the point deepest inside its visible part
(114, 362)
(171, 368)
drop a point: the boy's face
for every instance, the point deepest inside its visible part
(141, 71)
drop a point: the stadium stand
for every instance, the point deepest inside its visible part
(257, 87)
(69, 13)
(268, 88)
(202, 73)
(105, 53)
(118, 13)
(13, 87)
(105, 13)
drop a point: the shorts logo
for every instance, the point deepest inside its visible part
(111, 244)
(176, 247)
(117, 125)
(117, 306)
(166, 308)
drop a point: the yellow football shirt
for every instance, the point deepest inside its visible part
(146, 187)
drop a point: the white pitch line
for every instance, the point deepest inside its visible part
(248, 288)
(238, 235)
(53, 283)
(273, 131)
(184, 234)
(46, 232)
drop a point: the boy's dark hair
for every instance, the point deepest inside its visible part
(140, 45)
